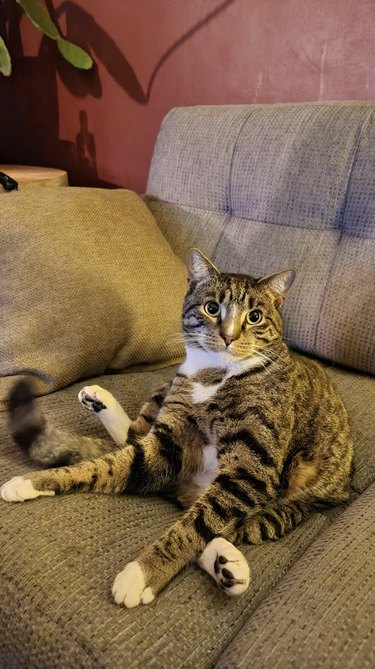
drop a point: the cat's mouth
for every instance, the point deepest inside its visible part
(234, 349)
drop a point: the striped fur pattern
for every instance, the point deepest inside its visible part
(249, 438)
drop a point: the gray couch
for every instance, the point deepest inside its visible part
(258, 189)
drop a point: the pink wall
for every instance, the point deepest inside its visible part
(152, 55)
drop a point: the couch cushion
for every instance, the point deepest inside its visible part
(264, 187)
(321, 614)
(87, 282)
(358, 394)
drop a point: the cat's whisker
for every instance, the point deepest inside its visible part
(266, 357)
(184, 337)
(177, 337)
(190, 339)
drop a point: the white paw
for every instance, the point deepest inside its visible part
(129, 587)
(95, 398)
(108, 410)
(226, 564)
(18, 489)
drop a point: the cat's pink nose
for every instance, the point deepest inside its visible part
(228, 340)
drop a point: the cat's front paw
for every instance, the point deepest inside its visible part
(226, 564)
(108, 410)
(129, 587)
(19, 489)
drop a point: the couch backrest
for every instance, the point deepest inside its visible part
(263, 187)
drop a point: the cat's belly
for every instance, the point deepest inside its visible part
(209, 470)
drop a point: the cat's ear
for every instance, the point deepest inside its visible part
(279, 284)
(199, 267)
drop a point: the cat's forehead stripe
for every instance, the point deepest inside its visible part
(241, 292)
(235, 289)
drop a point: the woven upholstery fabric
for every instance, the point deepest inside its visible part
(321, 615)
(87, 282)
(358, 394)
(263, 187)
(58, 557)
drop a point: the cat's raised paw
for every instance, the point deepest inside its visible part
(129, 587)
(226, 564)
(19, 489)
(95, 398)
(108, 410)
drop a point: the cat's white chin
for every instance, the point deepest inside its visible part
(198, 359)
(231, 355)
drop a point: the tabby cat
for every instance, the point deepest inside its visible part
(248, 437)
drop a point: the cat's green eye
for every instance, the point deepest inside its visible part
(254, 317)
(212, 308)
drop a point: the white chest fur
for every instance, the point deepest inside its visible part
(201, 393)
(197, 360)
(209, 469)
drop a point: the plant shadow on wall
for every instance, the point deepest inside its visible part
(29, 109)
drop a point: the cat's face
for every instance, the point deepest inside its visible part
(232, 313)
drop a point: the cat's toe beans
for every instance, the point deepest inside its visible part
(94, 398)
(227, 565)
(85, 399)
(236, 573)
(129, 587)
(234, 587)
(236, 579)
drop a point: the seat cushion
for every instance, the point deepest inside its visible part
(358, 394)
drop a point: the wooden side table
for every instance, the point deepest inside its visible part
(28, 176)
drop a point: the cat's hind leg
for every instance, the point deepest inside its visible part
(227, 566)
(272, 524)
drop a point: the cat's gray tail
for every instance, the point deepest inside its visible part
(26, 422)
(44, 443)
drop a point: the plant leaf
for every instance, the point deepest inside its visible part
(74, 54)
(5, 62)
(39, 17)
